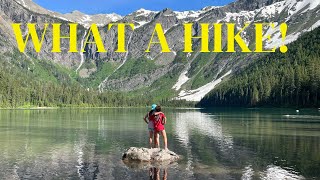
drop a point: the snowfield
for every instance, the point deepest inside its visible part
(198, 94)
(183, 78)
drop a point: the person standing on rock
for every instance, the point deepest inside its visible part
(149, 119)
(159, 122)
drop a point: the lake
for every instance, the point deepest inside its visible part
(214, 143)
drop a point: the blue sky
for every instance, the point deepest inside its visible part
(124, 7)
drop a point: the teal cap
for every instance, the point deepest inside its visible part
(153, 106)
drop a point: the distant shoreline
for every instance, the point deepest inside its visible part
(77, 107)
(143, 107)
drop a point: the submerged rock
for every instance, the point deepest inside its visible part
(155, 156)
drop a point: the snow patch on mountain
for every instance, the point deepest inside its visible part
(277, 40)
(141, 23)
(187, 14)
(193, 14)
(295, 6)
(144, 12)
(243, 15)
(291, 7)
(271, 10)
(249, 16)
(22, 2)
(276, 37)
(86, 20)
(113, 17)
(198, 94)
(183, 78)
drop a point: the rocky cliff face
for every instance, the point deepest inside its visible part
(13, 12)
(187, 73)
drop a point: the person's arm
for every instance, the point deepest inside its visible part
(157, 113)
(145, 118)
(164, 121)
(164, 118)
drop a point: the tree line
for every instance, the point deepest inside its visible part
(18, 89)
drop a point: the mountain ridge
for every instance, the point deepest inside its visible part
(137, 71)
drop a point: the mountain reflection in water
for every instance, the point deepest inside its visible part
(220, 144)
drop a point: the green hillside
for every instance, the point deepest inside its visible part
(28, 82)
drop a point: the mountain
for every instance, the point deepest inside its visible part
(175, 75)
(75, 16)
(291, 79)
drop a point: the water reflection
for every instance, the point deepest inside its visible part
(190, 122)
(154, 174)
(88, 144)
(247, 173)
(276, 172)
(272, 172)
(78, 149)
(205, 124)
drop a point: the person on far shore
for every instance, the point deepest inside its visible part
(159, 121)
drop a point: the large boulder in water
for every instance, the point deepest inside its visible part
(149, 157)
